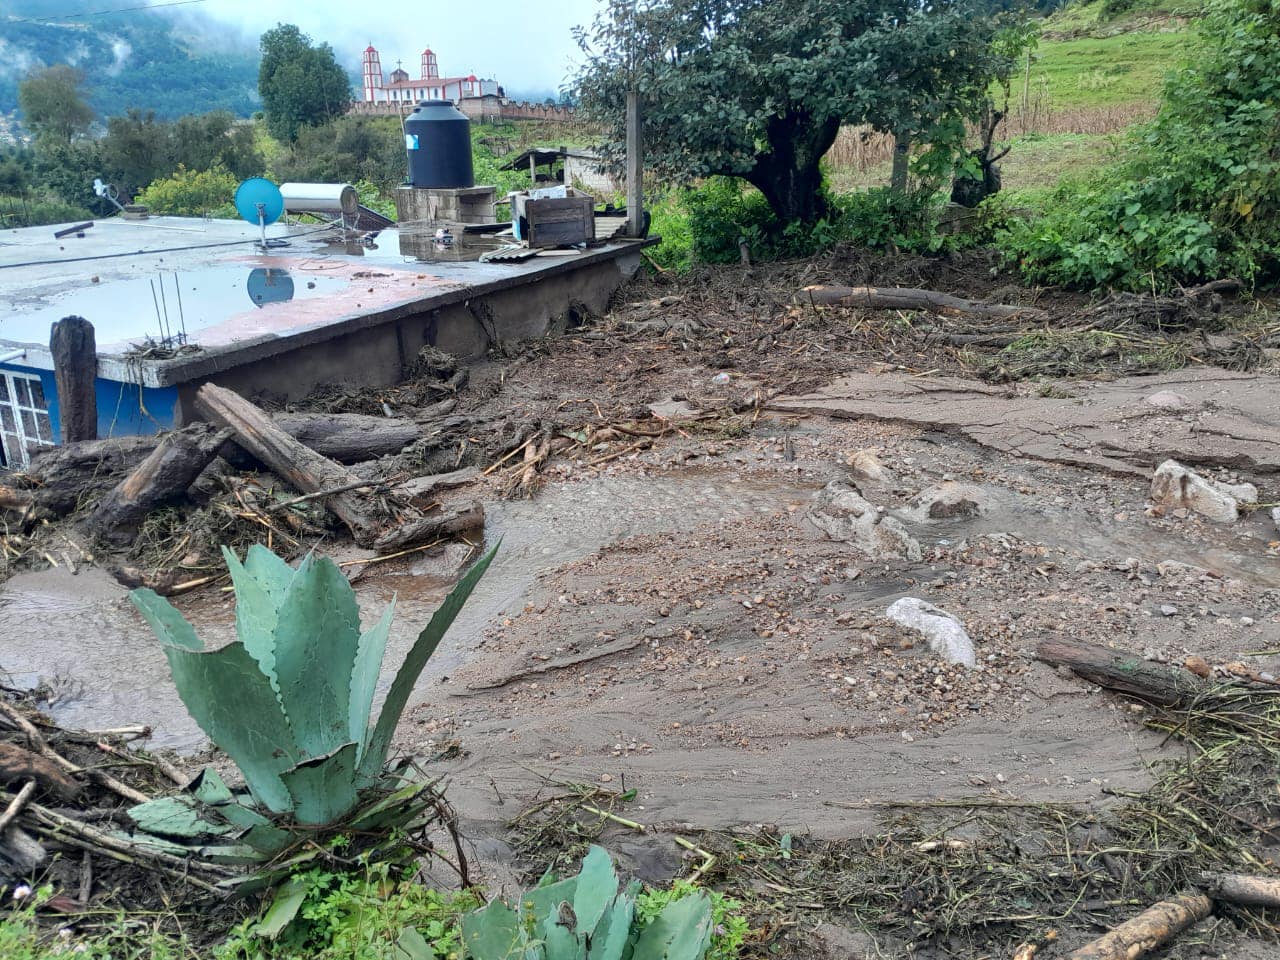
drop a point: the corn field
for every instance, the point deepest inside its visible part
(860, 148)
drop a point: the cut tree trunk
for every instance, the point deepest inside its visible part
(161, 479)
(910, 298)
(18, 765)
(1152, 928)
(301, 466)
(1124, 672)
(420, 491)
(349, 437)
(75, 371)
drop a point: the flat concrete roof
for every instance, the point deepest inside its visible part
(146, 282)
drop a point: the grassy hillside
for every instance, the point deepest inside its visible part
(1102, 71)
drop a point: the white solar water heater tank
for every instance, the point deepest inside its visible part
(335, 198)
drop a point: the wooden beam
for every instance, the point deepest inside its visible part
(75, 371)
(635, 166)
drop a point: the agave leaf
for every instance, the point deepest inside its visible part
(364, 676)
(492, 933)
(613, 931)
(540, 901)
(258, 598)
(174, 817)
(395, 807)
(169, 626)
(597, 886)
(288, 901)
(375, 752)
(316, 635)
(682, 931)
(266, 839)
(413, 946)
(323, 788)
(210, 789)
(559, 942)
(232, 701)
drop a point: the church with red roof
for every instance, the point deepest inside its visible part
(429, 86)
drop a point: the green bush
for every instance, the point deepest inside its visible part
(192, 193)
(27, 212)
(1196, 194)
(704, 225)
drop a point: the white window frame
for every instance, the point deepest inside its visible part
(17, 442)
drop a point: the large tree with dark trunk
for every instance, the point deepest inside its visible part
(759, 88)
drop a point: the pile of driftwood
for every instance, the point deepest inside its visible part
(112, 486)
(65, 816)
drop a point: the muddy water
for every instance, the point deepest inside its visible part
(81, 637)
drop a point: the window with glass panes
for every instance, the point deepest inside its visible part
(24, 418)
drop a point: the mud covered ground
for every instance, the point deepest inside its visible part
(665, 617)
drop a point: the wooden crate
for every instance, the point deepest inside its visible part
(561, 221)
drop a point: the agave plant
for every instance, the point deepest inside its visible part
(586, 917)
(291, 701)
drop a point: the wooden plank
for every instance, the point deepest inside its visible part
(635, 166)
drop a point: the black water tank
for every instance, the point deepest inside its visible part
(438, 138)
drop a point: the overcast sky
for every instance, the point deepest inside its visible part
(521, 44)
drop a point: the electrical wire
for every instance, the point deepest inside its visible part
(147, 253)
(103, 13)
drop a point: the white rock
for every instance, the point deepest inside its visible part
(1275, 517)
(1174, 487)
(1168, 400)
(845, 515)
(946, 634)
(866, 465)
(946, 501)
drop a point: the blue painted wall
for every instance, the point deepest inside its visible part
(124, 409)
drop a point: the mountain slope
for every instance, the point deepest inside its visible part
(150, 59)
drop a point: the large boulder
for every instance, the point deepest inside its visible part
(1175, 487)
(946, 634)
(843, 514)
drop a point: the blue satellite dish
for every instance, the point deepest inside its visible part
(259, 201)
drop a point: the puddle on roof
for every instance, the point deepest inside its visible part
(423, 244)
(164, 305)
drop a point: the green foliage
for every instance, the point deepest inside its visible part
(301, 84)
(140, 149)
(759, 89)
(357, 915)
(22, 211)
(53, 105)
(706, 223)
(1093, 72)
(1196, 194)
(290, 702)
(586, 917)
(346, 150)
(192, 193)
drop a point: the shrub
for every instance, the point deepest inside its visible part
(192, 193)
(1196, 194)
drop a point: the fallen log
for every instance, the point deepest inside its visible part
(17, 764)
(1152, 928)
(911, 298)
(448, 523)
(1241, 888)
(1124, 672)
(161, 479)
(59, 478)
(302, 467)
(349, 437)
